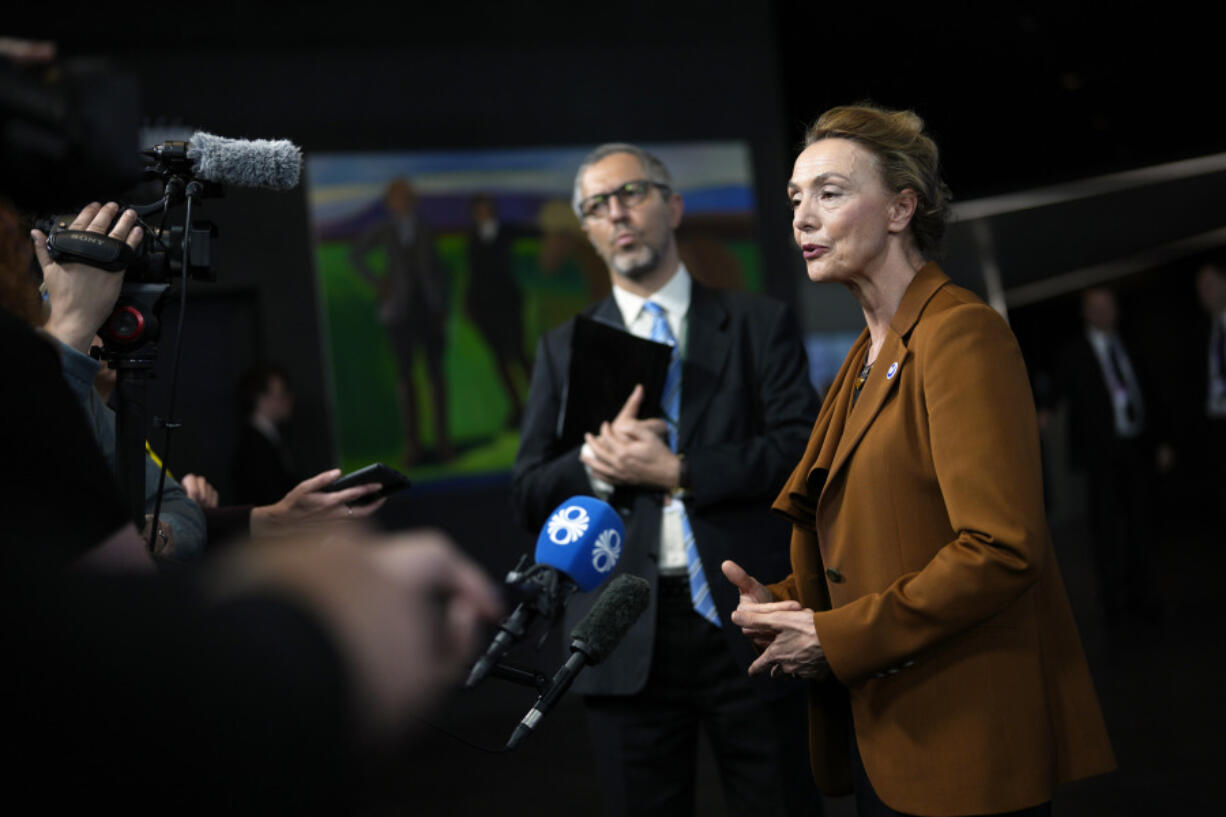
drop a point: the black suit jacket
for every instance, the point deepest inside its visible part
(259, 470)
(746, 409)
(1091, 417)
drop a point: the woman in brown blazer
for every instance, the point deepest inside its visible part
(925, 604)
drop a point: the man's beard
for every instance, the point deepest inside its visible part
(637, 264)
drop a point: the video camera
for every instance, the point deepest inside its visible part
(67, 132)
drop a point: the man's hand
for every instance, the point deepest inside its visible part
(753, 595)
(308, 505)
(199, 490)
(82, 296)
(630, 451)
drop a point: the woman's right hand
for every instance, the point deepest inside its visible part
(753, 593)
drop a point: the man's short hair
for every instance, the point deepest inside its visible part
(652, 166)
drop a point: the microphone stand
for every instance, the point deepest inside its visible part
(549, 591)
(524, 676)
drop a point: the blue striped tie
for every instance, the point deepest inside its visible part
(670, 402)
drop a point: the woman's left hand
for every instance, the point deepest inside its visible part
(795, 650)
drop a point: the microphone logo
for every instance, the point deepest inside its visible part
(607, 551)
(568, 525)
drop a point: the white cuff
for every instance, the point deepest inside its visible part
(602, 490)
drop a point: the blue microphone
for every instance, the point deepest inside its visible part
(577, 549)
(583, 539)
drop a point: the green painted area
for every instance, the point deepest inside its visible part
(751, 264)
(367, 410)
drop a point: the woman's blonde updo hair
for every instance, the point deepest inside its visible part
(906, 157)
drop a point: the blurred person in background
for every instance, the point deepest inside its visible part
(1116, 435)
(262, 468)
(495, 303)
(414, 303)
(1210, 401)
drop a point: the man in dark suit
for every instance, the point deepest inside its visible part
(695, 486)
(1113, 436)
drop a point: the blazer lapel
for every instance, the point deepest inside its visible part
(888, 369)
(891, 364)
(705, 353)
(798, 499)
(607, 312)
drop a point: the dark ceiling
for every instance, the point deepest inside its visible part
(1017, 94)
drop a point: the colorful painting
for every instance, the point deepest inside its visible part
(438, 271)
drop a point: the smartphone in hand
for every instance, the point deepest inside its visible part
(391, 480)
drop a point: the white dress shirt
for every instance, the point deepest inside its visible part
(1123, 391)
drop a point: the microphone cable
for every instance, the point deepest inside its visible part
(462, 740)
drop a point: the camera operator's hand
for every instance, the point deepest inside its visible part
(82, 296)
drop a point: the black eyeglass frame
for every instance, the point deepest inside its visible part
(622, 194)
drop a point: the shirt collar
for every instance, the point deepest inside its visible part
(1099, 339)
(487, 230)
(674, 297)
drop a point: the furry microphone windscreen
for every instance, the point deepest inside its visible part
(273, 164)
(612, 616)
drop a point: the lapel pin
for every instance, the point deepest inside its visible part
(893, 370)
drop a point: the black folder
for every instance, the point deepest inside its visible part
(606, 362)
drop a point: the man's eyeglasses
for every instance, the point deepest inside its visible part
(630, 194)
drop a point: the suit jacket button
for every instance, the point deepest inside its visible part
(834, 575)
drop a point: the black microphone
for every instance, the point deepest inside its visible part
(593, 638)
(275, 164)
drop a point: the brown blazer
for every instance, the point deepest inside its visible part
(920, 538)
